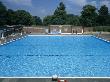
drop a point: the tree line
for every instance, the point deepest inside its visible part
(89, 17)
(60, 17)
(19, 17)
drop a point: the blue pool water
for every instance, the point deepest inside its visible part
(66, 56)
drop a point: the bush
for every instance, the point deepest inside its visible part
(102, 28)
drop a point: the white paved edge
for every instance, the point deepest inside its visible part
(63, 77)
(12, 40)
(102, 39)
(60, 35)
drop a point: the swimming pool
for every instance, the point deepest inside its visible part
(66, 56)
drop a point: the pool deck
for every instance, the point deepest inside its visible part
(11, 38)
(50, 80)
(105, 36)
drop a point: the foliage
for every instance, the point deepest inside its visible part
(58, 20)
(103, 15)
(3, 12)
(59, 16)
(108, 20)
(47, 20)
(37, 20)
(73, 20)
(23, 18)
(11, 19)
(102, 28)
(19, 17)
(88, 16)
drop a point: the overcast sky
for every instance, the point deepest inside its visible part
(43, 8)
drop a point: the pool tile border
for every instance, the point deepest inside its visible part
(60, 35)
(101, 39)
(54, 35)
(58, 77)
(13, 40)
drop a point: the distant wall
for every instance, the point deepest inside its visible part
(63, 28)
(35, 30)
(77, 29)
(88, 29)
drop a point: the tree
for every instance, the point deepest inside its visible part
(11, 19)
(37, 20)
(108, 20)
(103, 15)
(59, 16)
(58, 20)
(88, 16)
(73, 20)
(47, 20)
(3, 12)
(24, 18)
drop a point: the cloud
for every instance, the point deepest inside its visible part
(94, 3)
(78, 2)
(21, 2)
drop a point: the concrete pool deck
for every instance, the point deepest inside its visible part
(50, 79)
(105, 36)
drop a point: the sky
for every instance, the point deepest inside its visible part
(43, 8)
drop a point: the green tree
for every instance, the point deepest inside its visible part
(73, 20)
(11, 19)
(47, 20)
(37, 20)
(108, 20)
(88, 16)
(3, 12)
(24, 18)
(59, 16)
(103, 15)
